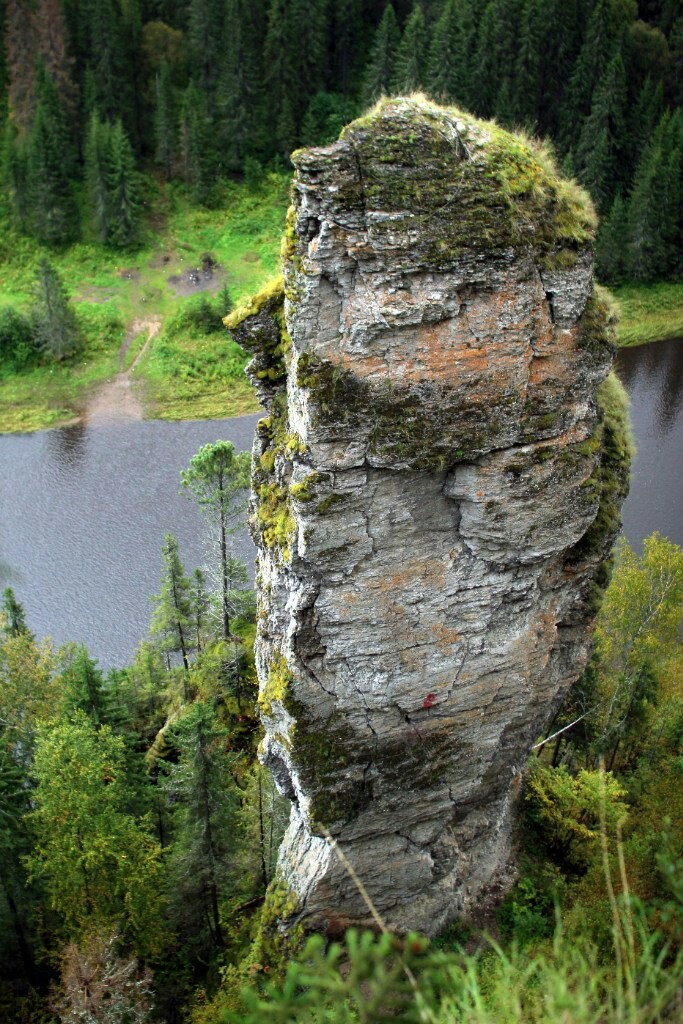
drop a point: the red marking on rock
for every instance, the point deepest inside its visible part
(429, 701)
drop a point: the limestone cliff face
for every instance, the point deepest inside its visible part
(435, 491)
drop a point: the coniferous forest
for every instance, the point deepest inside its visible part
(138, 831)
(94, 91)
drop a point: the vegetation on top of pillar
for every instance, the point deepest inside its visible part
(465, 184)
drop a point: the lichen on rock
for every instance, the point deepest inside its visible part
(436, 488)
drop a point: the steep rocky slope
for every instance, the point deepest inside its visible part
(435, 492)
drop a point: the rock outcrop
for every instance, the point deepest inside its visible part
(435, 492)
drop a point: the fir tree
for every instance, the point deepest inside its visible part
(239, 96)
(409, 67)
(529, 61)
(15, 175)
(83, 686)
(487, 70)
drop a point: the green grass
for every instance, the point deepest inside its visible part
(184, 374)
(651, 312)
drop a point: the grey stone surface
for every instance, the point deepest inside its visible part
(426, 497)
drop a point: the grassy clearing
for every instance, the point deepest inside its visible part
(184, 373)
(649, 313)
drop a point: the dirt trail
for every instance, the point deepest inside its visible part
(117, 399)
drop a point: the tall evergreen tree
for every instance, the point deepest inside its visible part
(528, 64)
(487, 71)
(15, 175)
(83, 686)
(239, 98)
(207, 826)
(97, 159)
(607, 25)
(15, 618)
(20, 55)
(379, 70)
(165, 120)
(604, 138)
(51, 166)
(611, 244)
(447, 65)
(206, 19)
(217, 478)
(411, 55)
(53, 320)
(195, 144)
(124, 189)
(172, 620)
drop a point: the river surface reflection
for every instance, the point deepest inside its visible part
(653, 376)
(83, 513)
(83, 510)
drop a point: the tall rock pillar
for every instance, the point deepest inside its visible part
(435, 491)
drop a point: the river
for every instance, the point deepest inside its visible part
(83, 510)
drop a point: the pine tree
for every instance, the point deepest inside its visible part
(379, 70)
(53, 321)
(124, 190)
(172, 620)
(604, 139)
(411, 56)
(51, 165)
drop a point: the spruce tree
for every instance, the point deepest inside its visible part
(165, 120)
(487, 71)
(82, 685)
(53, 321)
(194, 144)
(124, 189)
(379, 70)
(528, 64)
(611, 244)
(207, 842)
(15, 175)
(239, 97)
(97, 157)
(446, 68)
(604, 138)
(51, 165)
(205, 32)
(607, 25)
(15, 618)
(411, 55)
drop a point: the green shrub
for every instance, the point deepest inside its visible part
(17, 347)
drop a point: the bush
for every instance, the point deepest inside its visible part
(17, 345)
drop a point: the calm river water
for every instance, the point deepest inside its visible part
(83, 510)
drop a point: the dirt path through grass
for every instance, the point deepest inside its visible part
(118, 399)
